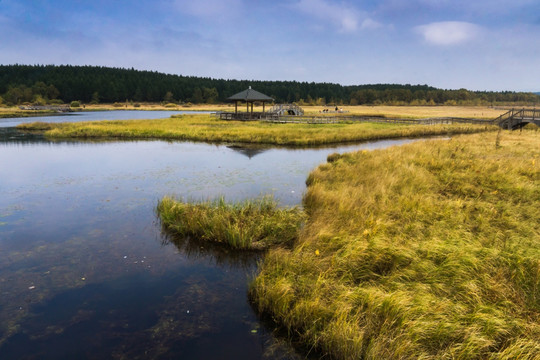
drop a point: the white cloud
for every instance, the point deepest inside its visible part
(449, 32)
(347, 18)
(371, 24)
(209, 8)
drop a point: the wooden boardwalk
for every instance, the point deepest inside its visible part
(512, 120)
(518, 118)
(377, 119)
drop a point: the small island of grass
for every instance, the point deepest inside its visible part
(248, 225)
(209, 129)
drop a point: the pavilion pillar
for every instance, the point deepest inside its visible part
(236, 107)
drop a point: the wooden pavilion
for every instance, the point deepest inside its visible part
(248, 96)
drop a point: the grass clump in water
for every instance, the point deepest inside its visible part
(251, 224)
(429, 250)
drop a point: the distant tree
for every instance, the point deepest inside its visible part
(39, 100)
(52, 92)
(95, 98)
(210, 95)
(18, 94)
(197, 97)
(39, 88)
(168, 98)
(138, 96)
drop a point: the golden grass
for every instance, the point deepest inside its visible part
(251, 224)
(425, 251)
(415, 112)
(12, 112)
(210, 129)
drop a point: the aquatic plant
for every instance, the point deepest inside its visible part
(251, 224)
(429, 250)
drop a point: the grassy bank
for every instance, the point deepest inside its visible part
(209, 129)
(429, 250)
(254, 224)
(17, 113)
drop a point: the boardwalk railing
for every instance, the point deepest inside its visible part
(286, 109)
(379, 119)
(322, 119)
(246, 116)
(517, 118)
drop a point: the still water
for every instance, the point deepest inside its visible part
(85, 272)
(98, 115)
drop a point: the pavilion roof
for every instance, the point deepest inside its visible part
(250, 95)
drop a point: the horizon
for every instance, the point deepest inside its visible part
(479, 46)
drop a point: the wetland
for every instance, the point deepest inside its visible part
(427, 249)
(86, 271)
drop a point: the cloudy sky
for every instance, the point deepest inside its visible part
(450, 44)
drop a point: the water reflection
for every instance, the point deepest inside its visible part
(221, 255)
(14, 136)
(248, 150)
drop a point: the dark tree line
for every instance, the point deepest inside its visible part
(50, 83)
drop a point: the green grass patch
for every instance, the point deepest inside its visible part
(25, 113)
(429, 250)
(252, 224)
(209, 129)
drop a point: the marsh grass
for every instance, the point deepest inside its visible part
(209, 129)
(251, 224)
(415, 112)
(425, 251)
(12, 113)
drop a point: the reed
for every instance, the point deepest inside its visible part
(208, 129)
(425, 251)
(251, 224)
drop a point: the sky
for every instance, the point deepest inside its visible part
(480, 45)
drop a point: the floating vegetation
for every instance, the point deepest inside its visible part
(251, 224)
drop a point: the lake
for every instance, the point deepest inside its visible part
(79, 116)
(86, 272)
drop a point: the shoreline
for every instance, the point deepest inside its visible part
(405, 241)
(415, 258)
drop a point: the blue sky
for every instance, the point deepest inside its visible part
(450, 44)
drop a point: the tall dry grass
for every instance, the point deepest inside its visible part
(251, 224)
(425, 251)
